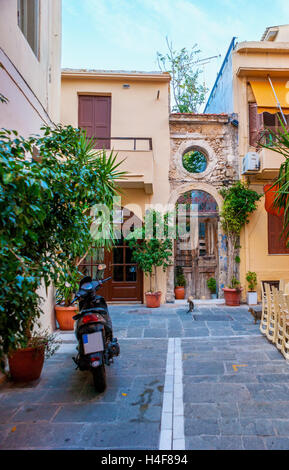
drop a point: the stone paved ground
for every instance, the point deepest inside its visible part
(224, 407)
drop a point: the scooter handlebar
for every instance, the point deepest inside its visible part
(105, 280)
(74, 300)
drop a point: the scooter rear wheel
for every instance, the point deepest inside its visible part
(99, 378)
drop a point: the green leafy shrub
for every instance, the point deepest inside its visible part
(235, 284)
(251, 278)
(180, 278)
(212, 285)
(239, 203)
(45, 205)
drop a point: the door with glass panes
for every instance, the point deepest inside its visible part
(126, 284)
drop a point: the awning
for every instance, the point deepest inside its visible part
(265, 98)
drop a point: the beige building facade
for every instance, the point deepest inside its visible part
(30, 54)
(251, 82)
(128, 113)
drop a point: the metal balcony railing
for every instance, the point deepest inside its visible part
(141, 144)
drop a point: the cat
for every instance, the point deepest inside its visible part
(191, 304)
(257, 314)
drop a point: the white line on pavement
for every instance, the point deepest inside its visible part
(172, 424)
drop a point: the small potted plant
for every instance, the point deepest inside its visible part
(252, 298)
(26, 362)
(212, 286)
(180, 284)
(66, 287)
(232, 293)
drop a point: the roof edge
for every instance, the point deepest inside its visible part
(115, 75)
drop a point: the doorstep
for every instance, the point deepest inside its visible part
(67, 337)
(202, 302)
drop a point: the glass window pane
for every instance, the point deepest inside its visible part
(118, 256)
(195, 162)
(118, 273)
(97, 256)
(85, 270)
(128, 256)
(131, 273)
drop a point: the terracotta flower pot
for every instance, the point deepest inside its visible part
(64, 317)
(179, 293)
(26, 364)
(232, 296)
(153, 300)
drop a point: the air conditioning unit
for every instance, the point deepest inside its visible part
(251, 163)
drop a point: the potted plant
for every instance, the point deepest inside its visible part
(26, 363)
(252, 298)
(239, 203)
(152, 252)
(45, 224)
(233, 293)
(180, 284)
(66, 287)
(212, 286)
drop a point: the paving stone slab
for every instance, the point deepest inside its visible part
(43, 435)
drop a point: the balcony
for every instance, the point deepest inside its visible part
(138, 160)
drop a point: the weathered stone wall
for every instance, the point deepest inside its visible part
(212, 134)
(216, 137)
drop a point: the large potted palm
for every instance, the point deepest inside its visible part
(45, 224)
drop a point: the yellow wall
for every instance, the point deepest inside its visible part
(255, 59)
(135, 112)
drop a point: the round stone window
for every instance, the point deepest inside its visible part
(195, 161)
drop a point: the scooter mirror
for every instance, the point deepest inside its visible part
(101, 267)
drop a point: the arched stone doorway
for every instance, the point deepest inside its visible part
(203, 255)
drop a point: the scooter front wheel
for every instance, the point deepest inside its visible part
(99, 378)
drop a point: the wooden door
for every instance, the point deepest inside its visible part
(127, 279)
(126, 284)
(94, 115)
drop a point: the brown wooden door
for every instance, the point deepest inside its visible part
(94, 115)
(126, 283)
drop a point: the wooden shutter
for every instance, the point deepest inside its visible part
(94, 115)
(276, 243)
(255, 124)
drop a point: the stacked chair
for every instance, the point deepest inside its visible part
(275, 315)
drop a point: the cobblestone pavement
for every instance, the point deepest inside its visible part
(210, 381)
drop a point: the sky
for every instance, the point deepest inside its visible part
(126, 34)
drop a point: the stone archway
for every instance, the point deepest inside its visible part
(209, 260)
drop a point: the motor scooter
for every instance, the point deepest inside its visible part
(93, 330)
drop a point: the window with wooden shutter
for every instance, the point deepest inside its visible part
(28, 22)
(255, 124)
(94, 115)
(276, 241)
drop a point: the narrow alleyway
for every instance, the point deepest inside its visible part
(212, 382)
